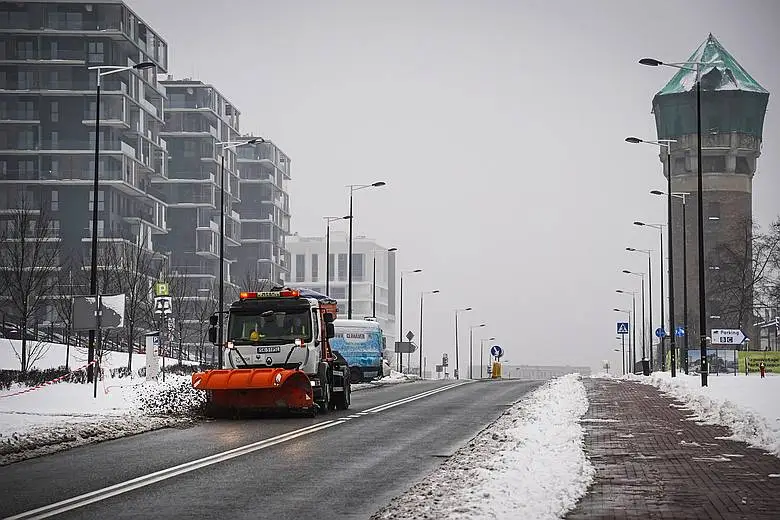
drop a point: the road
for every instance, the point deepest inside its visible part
(345, 464)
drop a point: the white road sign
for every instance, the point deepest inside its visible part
(727, 337)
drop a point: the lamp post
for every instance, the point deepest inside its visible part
(471, 345)
(623, 337)
(422, 294)
(226, 145)
(660, 228)
(401, 316)
(645, 364)
(697, 65)
(682, 196)
(457, 362)
(328, 220)
(101, 70)
(482, 351)
(373, 290)
(649, 253)
(353, 188)
(632, 349)
(666, 144)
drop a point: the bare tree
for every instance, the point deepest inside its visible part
(741, 270)
(29, 259)
(251, 281)
(202, 308)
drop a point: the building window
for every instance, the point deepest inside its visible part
(54, 229)
(26, 110)
(26, 139)
(99, 228)
(101, 200)
(338, 292)
(300, 268)
(358, 273)
(25, 169)
(315, 267)
(342, 266)
(55, 200)
(189, 148)
(95, 53)
(55, 140)
(24, 50)
(55, 168)
(332, 271)
(25, 79)
(55, 111)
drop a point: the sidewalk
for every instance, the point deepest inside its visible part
(653, 462)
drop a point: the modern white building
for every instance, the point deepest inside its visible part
(373, 272)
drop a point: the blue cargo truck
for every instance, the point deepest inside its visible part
(362, 344)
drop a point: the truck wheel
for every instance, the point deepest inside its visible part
(324, 405)
(344, 399)
(355, 374)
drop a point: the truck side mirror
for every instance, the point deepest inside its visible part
(213, 335)
(328, 317)
(330, 330)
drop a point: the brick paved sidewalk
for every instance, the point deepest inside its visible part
(653, 461)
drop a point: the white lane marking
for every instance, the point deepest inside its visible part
(399, 402)
(152, 478)
(353, 416)
(158, 476)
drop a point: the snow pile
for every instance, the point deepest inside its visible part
(393, 379)
(745, 404)
(529, 463)
(65, 415)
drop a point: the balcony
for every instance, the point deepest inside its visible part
(19, 117)
(71, 146)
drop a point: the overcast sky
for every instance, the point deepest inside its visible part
(499, 129)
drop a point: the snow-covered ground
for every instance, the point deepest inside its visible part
(748, 405)
(530, 463)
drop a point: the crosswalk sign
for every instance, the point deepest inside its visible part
(622, 327)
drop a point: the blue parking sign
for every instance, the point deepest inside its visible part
(622, 327)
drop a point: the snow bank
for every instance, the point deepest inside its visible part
(530, 463)
(65, 415)
(393, 379)
(747, 405)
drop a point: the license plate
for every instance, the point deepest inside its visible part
(268, 350)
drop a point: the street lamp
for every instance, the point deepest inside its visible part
(373, 291)
(353, 188)
(667, 145)
(632, 350)
(645, 363)
(623, 337)
(436, 291)
(226, 145)
(649, 253)
(682, 196)
(457, 362)
(697, 65)
(102, 70)
(328, 220)
(660, 228)
(471, 345)
(401, 317)
(482, 351)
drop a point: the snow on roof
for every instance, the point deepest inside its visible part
(719, 72)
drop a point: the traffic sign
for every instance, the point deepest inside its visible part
(496, 351)
(727, 337)
(660, 332)
(161, 289)
(410, 335)
(680, 331)
(163, 305)
(622, 327)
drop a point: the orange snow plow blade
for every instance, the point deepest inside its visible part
(256, 389)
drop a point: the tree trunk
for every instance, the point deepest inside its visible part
(130, 331)
(23, 332)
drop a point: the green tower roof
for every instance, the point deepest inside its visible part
(720, 72)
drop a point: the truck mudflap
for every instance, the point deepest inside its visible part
(256, 389)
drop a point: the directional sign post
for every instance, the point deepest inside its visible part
(660, 333)
(622, 327)
(679, 332)
(727, 337)
(496, 351)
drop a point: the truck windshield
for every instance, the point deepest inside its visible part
(270, 327)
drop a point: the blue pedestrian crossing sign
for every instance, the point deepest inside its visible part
(660, 332)
(680, 331)
(622, 327)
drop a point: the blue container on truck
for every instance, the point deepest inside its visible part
(362, 344)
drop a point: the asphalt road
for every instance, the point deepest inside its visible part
(341, 465)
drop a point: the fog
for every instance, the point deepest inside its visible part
(499, 128)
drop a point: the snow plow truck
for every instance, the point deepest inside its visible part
(277, 356)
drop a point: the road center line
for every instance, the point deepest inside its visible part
(158, 476)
